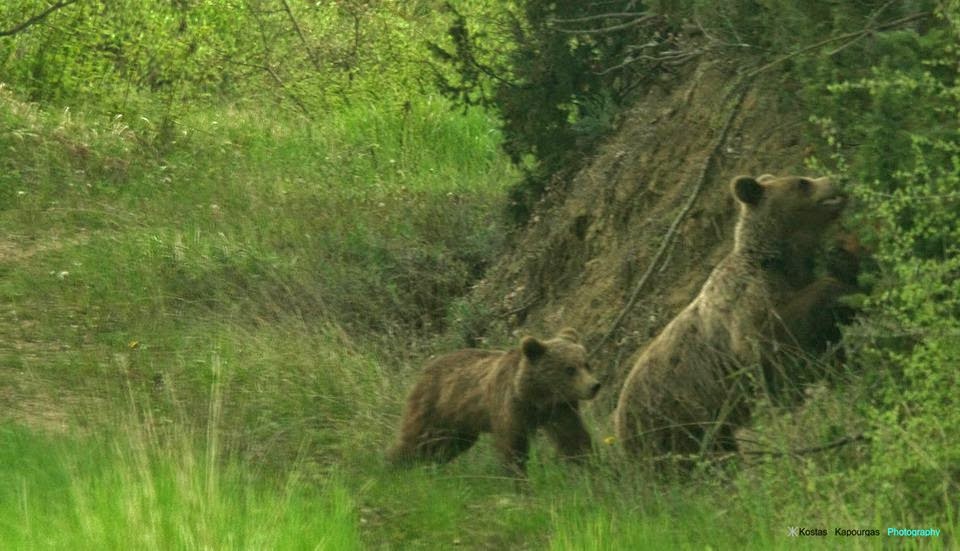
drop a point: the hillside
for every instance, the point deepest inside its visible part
(593, 238)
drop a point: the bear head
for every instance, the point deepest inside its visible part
(556, 370)
(785, 214)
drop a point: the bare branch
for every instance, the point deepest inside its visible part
(37, 18)
(851, 36)
(266, 67)
(600, 16)
(296, 99)
(870, 21)
(612, 28)
(306, 45)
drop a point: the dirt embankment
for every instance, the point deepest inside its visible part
(593, 238)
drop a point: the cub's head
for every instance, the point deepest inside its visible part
(557, 370)
(791, 208)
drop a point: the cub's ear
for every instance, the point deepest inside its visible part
(765, 177)
(569, 334)
(532, 348)
(747, 190)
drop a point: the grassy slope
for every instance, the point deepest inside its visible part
(207, 345)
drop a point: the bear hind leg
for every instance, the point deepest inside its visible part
(447, 446)
(438, 446)
(513, 447)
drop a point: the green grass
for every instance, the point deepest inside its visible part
(205, 343)
(129, 492)
(374, 212)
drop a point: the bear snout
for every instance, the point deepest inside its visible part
(585, 387)
(588, 389)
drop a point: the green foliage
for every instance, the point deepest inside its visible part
(161, 59)
(896, 136)
(559, 73)
(555, 83)
(106, 51)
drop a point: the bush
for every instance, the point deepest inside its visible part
(896, 137)
(554, 74)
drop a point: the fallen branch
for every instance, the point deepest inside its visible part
(839, 442)
(668, 237)
(799, 452)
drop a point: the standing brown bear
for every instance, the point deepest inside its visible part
(507, 393)
(690, 388)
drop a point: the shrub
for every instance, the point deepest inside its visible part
(896, 137)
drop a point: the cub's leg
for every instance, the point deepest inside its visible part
(568, 433)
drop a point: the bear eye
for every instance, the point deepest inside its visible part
(804, 185)
(571, 371)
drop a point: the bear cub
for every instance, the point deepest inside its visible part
(509, 394)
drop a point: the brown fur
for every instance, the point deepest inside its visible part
(507, 393)
(812, 316)
(689, 390)
(811, 321)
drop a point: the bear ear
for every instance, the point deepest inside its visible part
(532, 348)
(765, 177)
(569, 334)
(747, 190)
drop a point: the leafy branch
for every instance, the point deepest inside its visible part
(849, 37)
(36, 18)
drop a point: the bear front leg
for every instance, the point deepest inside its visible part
(514, 447)
(568, 433)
